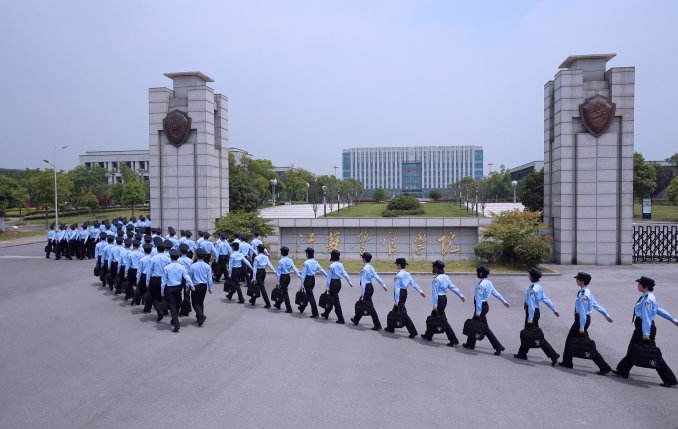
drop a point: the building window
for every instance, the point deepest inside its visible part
(142, 165)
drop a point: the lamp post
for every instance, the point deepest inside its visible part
(324, 189)
(56, 198)
(308, 186)
(514, 183)
(273, 183)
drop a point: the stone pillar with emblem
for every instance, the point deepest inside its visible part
(588, 161)
(188, 142)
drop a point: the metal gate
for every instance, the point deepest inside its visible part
(655, 243)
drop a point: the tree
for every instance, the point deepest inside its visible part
(21, 198)
(672, 191)
(88, 179)
(644, 177)
(90, 201)
(673, 159)
(435, 194)
(352, 189)
(41, 188)
(380, 195)
(531, 191)
(294, 184)
(7, 185)
(243, 223)
(499, 186)
(133, 194)
(515, 238)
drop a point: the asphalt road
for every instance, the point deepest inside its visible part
(75, 356)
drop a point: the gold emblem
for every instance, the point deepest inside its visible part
(420, 243)
(390, 243)
(364, 238)
(333, 241)
(447, 244)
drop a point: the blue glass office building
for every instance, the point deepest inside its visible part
(414, 170)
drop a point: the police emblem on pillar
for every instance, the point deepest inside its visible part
(597, 113)
(177, 126)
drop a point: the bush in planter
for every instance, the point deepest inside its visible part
(244, 223)
(404, 202)
(381, 195)
(515, 238)
(435, 194)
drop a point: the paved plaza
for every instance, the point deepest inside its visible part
(75, 356)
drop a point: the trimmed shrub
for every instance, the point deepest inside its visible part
(404, 202)
(243, 223)
(435, 194)
(515, 238)
(381, 195)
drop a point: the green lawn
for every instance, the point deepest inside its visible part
(420, 266)
(660, 212)
(84, 217)
(430, 210)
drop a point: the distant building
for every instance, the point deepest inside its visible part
(238, 154)
(111, 160)
(137, 160)
(414, 170)
(521, 171)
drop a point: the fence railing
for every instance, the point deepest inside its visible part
(655, 243)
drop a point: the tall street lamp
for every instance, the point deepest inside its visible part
(56, 198)
(324, 188)
(273, 183)
(514, 183)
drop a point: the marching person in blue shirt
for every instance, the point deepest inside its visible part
(223, 251)
(71, 235)
(50, 247)
(99, 250)
(201, 275)
(154, 280)
(131, 267)
(439, 286)
(584, 305)
(256, 242)
(249, 253)
(207, 245)
(285, 268)
(83, 238)
(61, 242)
(403, 280)
(534, 296)
(335, 272)
(484, 289)
(236, 273)
(114, 262)
(105, 257)
(185, 300)
(174, 277)
(261, 262)
(644, 313)
(367, 275)
(140, 293)
(308, 272)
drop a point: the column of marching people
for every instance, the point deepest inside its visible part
(172, 275)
